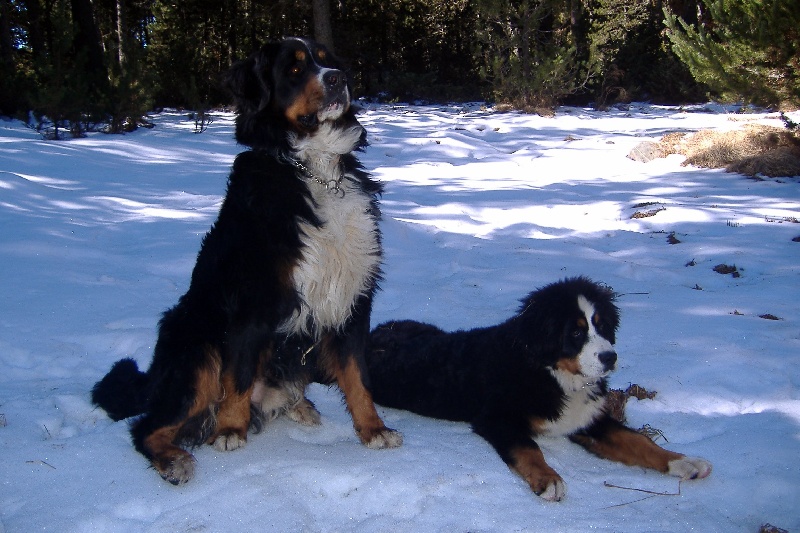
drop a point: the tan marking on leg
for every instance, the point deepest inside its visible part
(173, 463)
(233, 417)
(366, 421)
(207, 384)
(529, 463)
(629, 447)
(368, 425)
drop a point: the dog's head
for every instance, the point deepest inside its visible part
(575, 322)
(293, 85)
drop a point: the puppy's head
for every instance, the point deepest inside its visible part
(292, 85)
(575, 321)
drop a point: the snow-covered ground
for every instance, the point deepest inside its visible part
(98, 236)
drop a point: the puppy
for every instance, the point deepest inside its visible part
(282, 289)
(542, 372)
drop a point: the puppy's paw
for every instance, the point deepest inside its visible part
(229, 441)
(545, 482)
(689, 468)
(304, 413)
(554, 491)
(179, 470)
(385, 438)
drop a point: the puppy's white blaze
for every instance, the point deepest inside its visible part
(341, 258)
(595, 344)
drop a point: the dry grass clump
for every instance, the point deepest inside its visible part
(617, 398)
(769, 528)
(753, 150)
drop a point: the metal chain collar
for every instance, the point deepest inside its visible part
(332, 186)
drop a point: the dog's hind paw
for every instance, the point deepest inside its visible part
(180, 470)
(226, 442)
(386, 438)
(304, 413)
(689, 468)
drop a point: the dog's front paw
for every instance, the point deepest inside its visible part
(689, 468)
(554, 490)
(385, 438)
(529, 463)
(226, 442)
(179, 470)
(549, 487)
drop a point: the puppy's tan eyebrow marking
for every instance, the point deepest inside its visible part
(300, 55)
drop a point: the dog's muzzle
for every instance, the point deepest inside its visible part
(337, 96)
(608, 360)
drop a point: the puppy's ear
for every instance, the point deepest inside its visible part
(249, 80)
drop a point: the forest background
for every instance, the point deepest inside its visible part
(82, 65)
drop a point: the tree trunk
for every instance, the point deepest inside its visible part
(578, 29)
(121, 36)
(323, 29)
(88, 40)
(525, 53)
(35, 33)
(6, 41)
(232, 17)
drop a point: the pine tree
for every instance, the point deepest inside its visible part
(744, 50)
(531, 56)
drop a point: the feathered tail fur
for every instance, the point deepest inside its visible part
(121, 393)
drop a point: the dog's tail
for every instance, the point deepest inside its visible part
(122, 392)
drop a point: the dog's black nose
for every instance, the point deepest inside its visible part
(334, 78)
(608, 359)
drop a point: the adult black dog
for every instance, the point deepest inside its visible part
(282, 289)
(542, 372)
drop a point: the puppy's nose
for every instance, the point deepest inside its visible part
(334, 78)
(608, 359)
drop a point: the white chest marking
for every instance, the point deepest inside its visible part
(582, 406)
(341, 257)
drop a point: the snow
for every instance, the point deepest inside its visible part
(99, 236)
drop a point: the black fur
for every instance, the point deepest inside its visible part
(227, 324)
(467, 375)
(521, 379)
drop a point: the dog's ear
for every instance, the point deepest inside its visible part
(242, 83)
(249, 80)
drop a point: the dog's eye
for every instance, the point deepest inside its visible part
(295, 70)
(577, 333)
